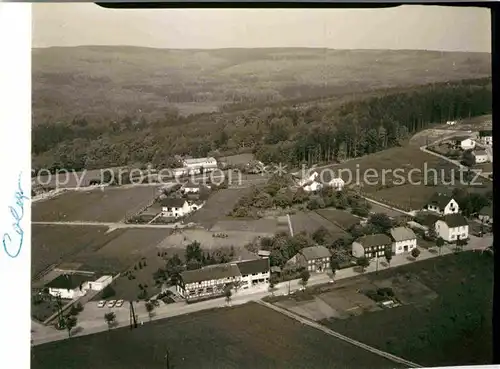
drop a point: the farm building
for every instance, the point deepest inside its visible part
(443, 204)
(264, 253)
(315, 259)
(209, 281)
(175, 208)
(372, 245)
(100, 283)
(69, 286)
(485, 215)
(254, 272)
(452, 227)
(486, 137)
(198, 165)
(480, 156)
(463, 142)
(404, 240)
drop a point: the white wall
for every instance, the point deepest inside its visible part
(67, 294)
(357, 250)
(467, 144)
(451, 234)
(451, 208)
(399, 246)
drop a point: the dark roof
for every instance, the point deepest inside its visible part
(429, 219)
(479, 152)
(440, 199)
(374, 240)
(455, 220)
(253, 266)
(484, 133)
(68, 281)
(402, 234)
(172, 202)
(487, 210)
(315, 252)
(210, 272)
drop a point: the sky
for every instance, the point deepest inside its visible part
(405, 27)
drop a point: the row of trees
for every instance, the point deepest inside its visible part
(312, 133)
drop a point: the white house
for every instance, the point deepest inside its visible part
(190, 187)
(337, 183)
(486, 137)
(312, 186)
(69, 286)
(372, 245)
(404, 240)
(451, 122)
(443, 204)
(480, 156)
(207, 282)
(175, 208)
(307, 179)
(464, 142)
(452, 227)
(254, 272)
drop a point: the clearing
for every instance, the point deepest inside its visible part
(236, 337)
(340, 218)
(311, 221)
(106, 205)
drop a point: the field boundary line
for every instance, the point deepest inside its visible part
(330, 332)
(331, 221)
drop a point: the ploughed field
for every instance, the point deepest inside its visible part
(247, 336)
(96, 205)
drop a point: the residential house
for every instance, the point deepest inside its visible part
(451, 122)
(314, 259)
(209, 281)
(69, 286)
(190, 187)
(198, 165)
(443, 204)
(486, 137)
(404, 240)
(254, 272)
(485, 215)
(452, 227)
(463, 142)
(264, 253)
(176, 208)
(480, 156)
(337, 183)
(312, 186)
(372, 245)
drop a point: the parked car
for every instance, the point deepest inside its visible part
(111, 303)
(119, 303)
(101, 304)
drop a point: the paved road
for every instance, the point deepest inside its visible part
(91, 320)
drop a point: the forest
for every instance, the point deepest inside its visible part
(311, 133)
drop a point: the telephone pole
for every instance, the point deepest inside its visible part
(133, 320)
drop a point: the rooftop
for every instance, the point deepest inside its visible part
(480, 153)
(68, 281)
(171, 202)
(402, 234)
(485, 133)
(315, 252)
(253, 266)
(440, 199)
(219, 271)
(487, 210)
(199, 160)
(460, 138)
(374, 240)
(455, 220)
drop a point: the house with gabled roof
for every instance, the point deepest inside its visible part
(442, 203)
(176, 207)
(452, 227)
(486, 137)
(463, 142)
(314, 259)
(480, 156)
(403, 240)
(372, 245)
(485, 215)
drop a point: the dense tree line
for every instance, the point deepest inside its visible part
(314, 132)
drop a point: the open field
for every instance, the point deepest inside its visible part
(108, 205)
(217, 207)
(122, 248)
(445, 321)
(72, 179)
(53, 244)
(270, 225)
(311, 221)
(246, 336)
(240, 159)
(341, 218)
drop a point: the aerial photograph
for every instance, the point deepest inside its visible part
(261, 188)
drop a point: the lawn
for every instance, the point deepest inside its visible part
(311, 221)
(453, 329)
(53, 244)
(247, 336)
(107, 205)
(240, 159)
(218, 205)
(121, 249)
(340, 218)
